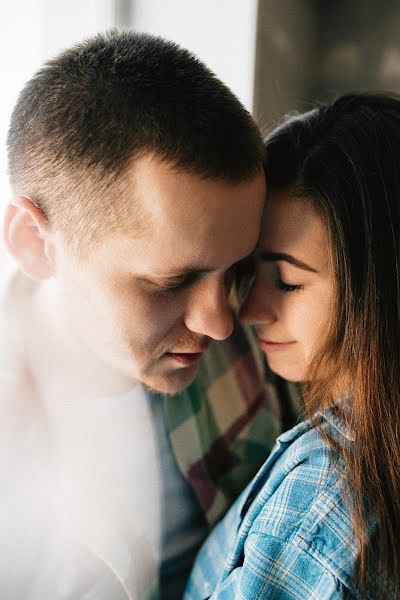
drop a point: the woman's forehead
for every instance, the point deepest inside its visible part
(292, 226)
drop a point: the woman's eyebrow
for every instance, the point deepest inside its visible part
(275, 256)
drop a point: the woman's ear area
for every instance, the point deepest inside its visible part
(27, 237)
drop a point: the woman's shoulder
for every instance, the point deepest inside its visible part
(306, 449)
(291, 533)
(305, 496)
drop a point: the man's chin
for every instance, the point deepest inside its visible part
(172, 382)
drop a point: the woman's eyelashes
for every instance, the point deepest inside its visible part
(286, 287)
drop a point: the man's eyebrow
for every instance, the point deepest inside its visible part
(180, 270)
(185, 270)
(275, 256)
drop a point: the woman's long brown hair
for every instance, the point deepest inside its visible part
(345, 158)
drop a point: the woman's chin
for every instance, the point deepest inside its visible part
(291, 372)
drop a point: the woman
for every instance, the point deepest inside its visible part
(322, 517)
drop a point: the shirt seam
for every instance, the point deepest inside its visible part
(306, 550)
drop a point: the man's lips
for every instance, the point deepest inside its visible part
(188, 358)
(272, 346)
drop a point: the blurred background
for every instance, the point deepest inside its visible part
(277, 55)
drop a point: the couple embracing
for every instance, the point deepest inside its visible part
(176, 276)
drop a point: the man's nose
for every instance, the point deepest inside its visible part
(209, 312)
(257, 308)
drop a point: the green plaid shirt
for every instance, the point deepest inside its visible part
(224, 425)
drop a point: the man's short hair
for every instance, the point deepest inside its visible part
(82, 119)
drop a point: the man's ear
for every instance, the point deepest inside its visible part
(28, 238)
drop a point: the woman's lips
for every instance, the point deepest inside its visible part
(272, 346)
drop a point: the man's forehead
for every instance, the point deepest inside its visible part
(151, 255)
(190, 224)
(165, 190)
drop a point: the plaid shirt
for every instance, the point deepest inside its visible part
(289, 535)
(225, 424)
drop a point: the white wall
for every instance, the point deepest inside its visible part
(221, 32)
(20, 53)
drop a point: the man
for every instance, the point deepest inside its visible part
(138, 194)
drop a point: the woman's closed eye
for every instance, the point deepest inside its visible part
(287, 287)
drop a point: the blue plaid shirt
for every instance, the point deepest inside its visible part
(289, 534)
